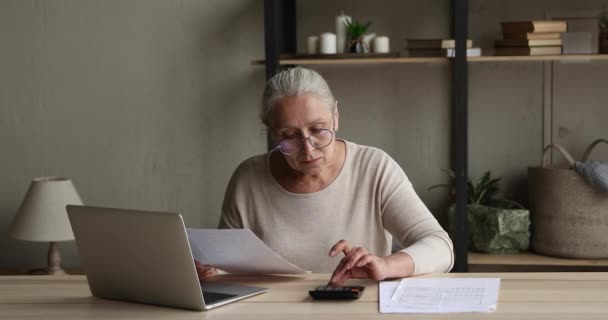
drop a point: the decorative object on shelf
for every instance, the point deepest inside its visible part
(437, 48)
(569, 213)
(434, 43)
(496, 225)
(603, 43)
(312, 45)
(42, 217)
(534, 37)
(328, 43)
(577, 43)
(450, 53)
(355, 31)
(341, 21)
(368, 38)
(381, 44)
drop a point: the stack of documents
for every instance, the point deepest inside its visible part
(439, 295)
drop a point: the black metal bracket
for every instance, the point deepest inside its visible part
(460, 137)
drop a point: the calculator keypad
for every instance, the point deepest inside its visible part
(337, 292)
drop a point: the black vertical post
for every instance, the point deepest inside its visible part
(271, 44)
(280, 32)
(290, 34)
(460, 130)
(280, 35)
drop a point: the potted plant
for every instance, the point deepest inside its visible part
(495, 225)
(355, 31)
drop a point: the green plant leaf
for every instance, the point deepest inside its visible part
(356, 29)
(483, 191)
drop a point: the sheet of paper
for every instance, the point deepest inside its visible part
(237, 251)
(439, 295)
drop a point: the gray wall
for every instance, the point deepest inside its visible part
(152, 104)
(144, 104)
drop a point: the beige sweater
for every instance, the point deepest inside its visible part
(370, 201)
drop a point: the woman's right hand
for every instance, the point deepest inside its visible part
(204, 271)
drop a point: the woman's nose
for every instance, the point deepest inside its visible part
(307, 146)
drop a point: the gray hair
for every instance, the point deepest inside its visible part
(294, 82)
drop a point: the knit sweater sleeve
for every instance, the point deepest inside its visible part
(411, 223)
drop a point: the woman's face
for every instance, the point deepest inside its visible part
(298, 117)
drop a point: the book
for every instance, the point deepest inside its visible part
(527, 43)
(434, 43)
(532, 35)
(534, 26)
(449, 52)
(527, 51)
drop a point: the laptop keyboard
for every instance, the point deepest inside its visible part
(213, 297)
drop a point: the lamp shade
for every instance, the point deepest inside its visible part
(42, 215)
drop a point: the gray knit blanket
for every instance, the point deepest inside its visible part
(595, 172)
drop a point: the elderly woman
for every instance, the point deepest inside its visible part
(314, 198)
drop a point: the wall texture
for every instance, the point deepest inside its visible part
(151, 104)
(144, 104)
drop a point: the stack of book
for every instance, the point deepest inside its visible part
(530, 38)
(437, 48)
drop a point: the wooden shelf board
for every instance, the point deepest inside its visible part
(383, 60)
(561, 57)
(370, 60)
(531, 259)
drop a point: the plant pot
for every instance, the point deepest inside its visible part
(495, 229)
(357, 46)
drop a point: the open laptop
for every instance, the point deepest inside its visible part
(144, 256)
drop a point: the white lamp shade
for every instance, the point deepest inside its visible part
(42, 215)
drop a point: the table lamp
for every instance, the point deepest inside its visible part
(42, 217)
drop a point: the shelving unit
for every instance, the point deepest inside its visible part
(281, 51)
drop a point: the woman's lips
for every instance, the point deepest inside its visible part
(310, 162)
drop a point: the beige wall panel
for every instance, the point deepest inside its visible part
(144, 104)
(580, 115)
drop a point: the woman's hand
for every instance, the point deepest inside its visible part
(204, 271)
(358, 263)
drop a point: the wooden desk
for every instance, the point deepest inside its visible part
(522, 296)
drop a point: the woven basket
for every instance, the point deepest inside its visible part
(569, 216)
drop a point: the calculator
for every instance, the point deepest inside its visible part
(337, 292)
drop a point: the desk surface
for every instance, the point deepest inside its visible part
(522, 296)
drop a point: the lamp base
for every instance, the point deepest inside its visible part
(54, 260)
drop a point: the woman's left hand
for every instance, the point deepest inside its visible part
(357, 263)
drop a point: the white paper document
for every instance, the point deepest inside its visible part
(237, 251)
(439, 295)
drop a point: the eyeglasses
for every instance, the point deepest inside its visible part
(319, 138)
